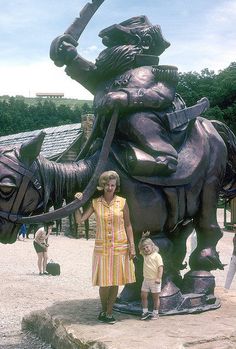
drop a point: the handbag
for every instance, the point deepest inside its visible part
(53, 268)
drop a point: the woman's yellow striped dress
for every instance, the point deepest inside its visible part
(111, 263)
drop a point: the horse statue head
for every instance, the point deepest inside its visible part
(20, 190)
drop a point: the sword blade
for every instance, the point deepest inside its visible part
(77, 27)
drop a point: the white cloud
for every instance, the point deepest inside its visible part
(42, 76)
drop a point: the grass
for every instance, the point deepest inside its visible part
(71, 102)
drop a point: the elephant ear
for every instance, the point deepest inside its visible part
(31, 149)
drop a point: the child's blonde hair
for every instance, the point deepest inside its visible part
(146, 240)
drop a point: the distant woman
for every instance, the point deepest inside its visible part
(114, 243)
(41, 246)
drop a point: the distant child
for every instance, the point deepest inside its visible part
(152, 273)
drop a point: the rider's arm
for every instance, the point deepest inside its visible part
(160, 93)
(63, 52)
(83, 71)
(159, 96)
(155, 89)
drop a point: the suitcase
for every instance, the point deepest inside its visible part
(53, 268)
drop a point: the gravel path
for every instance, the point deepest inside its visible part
(23, 290)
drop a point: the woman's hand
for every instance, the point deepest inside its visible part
(132, 253)
(158, 281)
(79, 196)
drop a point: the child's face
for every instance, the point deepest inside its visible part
(147, 248)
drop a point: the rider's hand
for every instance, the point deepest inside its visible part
(79, 196)
(63, 50)
(111, 100)
(158, 281)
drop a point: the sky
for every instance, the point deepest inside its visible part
(201, 32)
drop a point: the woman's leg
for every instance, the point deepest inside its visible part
(40, 262)
(113, 291)
(104, 294)
(45, 260)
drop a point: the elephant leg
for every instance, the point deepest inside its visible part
(179, 240)
(205, 256)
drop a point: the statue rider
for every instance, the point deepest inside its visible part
(127, 75)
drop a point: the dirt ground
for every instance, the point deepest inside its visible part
(69, 303)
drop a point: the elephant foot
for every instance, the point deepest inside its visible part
(205, 259)
(200, 282)
(172, 301)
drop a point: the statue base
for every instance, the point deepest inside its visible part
(196, 296)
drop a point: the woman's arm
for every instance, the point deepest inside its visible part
(129, 231)
(80, 218)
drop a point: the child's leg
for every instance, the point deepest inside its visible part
(144, 298)
(156, 305)
(156, 301)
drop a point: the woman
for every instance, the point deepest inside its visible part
(41, 246)
(114, 243)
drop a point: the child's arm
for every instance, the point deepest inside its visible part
(159, 274)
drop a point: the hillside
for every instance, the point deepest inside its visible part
(70, 102)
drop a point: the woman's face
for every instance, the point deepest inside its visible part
(110, 186)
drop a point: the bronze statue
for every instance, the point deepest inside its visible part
(171, 161)
(127, 74)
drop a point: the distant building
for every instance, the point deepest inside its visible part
(61, 143)
(49, 95)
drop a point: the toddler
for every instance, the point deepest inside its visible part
(152, 273)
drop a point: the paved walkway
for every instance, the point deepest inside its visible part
(68, 305)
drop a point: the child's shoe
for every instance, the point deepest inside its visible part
(146, 315)
(154, 316)
(102, 316)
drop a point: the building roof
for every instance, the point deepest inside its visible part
(57, 140)
(50, 94)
